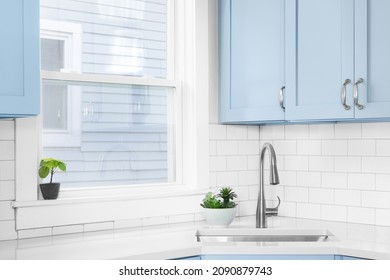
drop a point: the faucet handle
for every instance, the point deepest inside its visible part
(273, 211)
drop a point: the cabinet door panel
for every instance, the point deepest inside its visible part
(251, 60)
(373, 57)
(19, 58)
(319, 58)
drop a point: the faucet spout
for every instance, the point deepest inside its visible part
(261, 218)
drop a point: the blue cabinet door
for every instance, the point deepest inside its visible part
(19, 58)
(251, 62)
(319, 59)
(372, 58)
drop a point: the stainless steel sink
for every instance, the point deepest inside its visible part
(264, 235)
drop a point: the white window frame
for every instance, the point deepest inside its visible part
(193, 64)
(70, 34)
(172, 81)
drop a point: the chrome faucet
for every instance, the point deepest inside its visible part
(261, 216)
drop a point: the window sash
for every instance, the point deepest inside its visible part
(175, 143)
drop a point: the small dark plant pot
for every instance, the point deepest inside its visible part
(50, 190)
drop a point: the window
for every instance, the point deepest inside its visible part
(110, 107)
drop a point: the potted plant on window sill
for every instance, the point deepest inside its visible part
(219, 209)
(50, 166)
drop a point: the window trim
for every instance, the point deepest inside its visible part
(194, 66)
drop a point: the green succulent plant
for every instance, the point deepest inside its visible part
(224, 199)
(50, 166)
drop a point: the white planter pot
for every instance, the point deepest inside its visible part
(219, 217)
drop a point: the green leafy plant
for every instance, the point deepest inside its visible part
(50, 166)
(221, 200)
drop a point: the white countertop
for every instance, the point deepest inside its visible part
(176, 241)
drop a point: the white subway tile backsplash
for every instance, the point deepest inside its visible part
(68, 229)
(348, 131)
(226, 148)
(212, 148)
(288, 178)
(234, 163)
(376, 165)
(348, 164)
(271, 132)
(249, 147)
(361, 181)
(347, 197)
(361, 147)
(321, 163)
(334, 180)
(382, 217)
(227, 178)
(376, 130)
(321, 196)
(296, 163)
(382, 148)
(248, 178)
(7, 229)
(321, 131)
(339, 171)
(309, 211)
(253, 162)
(253, 133)
(296, 132)
(285, 147)
(361, 215)
(6, 211)
(247, 208)
(98, 226)
(119, 224)
(7, 170)
(376, 199)
(38, 232)
(217, 163)
(7, 190)
(334, 213)
(296, 194)
(153, 221)
(213, 179)
(309, 147)
(182, 218)
(217, 132)
(237, 132)
(7, 130)
(7, 150)
(309, 179)
(334, 147)
(288, 209)
(382, 182)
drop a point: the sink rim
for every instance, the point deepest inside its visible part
(272, 235)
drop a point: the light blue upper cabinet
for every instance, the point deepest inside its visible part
(19, 58)
(372, 58)
(251, 62)
(319, 59)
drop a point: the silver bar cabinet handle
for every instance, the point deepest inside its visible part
(356, 94)
(281, 98)
(344, 95)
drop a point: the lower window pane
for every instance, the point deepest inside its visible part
(116, 134)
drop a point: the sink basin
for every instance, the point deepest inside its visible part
(264, 235)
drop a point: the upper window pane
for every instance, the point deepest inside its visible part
(122, 37)
(52, 55)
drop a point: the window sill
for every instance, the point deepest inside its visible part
(109, 198)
